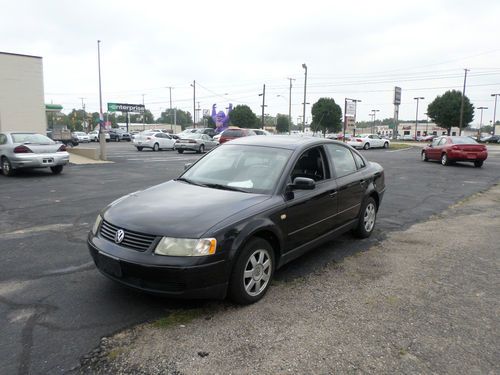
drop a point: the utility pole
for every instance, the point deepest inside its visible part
(495, 111)
(462, 104)
(374, 114)
(84, 117)
(290, 106)
(304, 109)
(170, 111)
(416, 116)
(263, 104)
(198, 111)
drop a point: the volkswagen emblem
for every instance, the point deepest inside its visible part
(119, 235)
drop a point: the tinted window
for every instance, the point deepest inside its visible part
(342, 159)
(442, 141)
(233, 133)
(359, 160)
(462, 140)
(310, 165)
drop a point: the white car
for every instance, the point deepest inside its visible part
(153, 140)
(366, 141)
(81, 136)
(94, 136)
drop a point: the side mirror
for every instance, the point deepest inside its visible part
(187, 166)
(303, 183)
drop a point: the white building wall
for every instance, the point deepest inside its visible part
(22, 106)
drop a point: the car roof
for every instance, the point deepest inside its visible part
(282, 141)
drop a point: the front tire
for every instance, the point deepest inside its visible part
(139, 148)
(478, 163)
(57, 169)
(180, 151)
(367, 219)
(201, 150)
(252, 272)
(7, 167)
(444, 160)
(386, 145)
(424, 156)
(366, 146)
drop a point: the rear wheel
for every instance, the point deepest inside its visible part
(445, 160)
(252, 272)
(139, 148)
(201, 150)
(156, 147)
(366, 146)
(478, 163)
(367, 218)
(7, 167)
(180, 151)
(386, 145)
(57, 169)
(424, 156)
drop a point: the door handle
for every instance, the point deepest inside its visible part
(362, 182)
(333, 194)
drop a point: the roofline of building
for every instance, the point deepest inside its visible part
(19, 54)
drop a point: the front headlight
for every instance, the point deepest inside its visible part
(186, 247)
(97, 223)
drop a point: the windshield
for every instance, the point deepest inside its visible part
(192, 136)
(31, 138)
(463, 141)
(252, 169)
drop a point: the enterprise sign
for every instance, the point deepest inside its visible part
(121, 107)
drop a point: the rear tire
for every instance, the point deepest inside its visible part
(252, 273)
(156, 147)
(367, 219)
(7, 167)
(424, 156)
(366, 146)
(386, 145)
(201, 150)
(478, 163)
(180, 151)
(57, 169)
(139, 148)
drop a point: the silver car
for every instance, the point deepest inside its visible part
(30, 150)
(194, 142)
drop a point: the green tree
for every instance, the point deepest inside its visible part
(243, 116)
(326, 116)
(445, 110)
(282, 124)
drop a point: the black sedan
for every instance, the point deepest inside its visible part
(260, 203)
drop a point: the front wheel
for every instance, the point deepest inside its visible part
(445, 160)
(386, 145)
(180, 151)
(424, 156)
(139, 148)
(7, 167)
(201, 150)
(367, 218)
(57, 169)
(478, 163)
(252, 272)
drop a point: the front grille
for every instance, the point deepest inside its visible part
(132, 240)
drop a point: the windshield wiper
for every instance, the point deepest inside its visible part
(189, 181)
(225, 187)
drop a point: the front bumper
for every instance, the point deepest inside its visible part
(39, 160)
(153, 274)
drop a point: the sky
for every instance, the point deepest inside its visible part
(359, 50)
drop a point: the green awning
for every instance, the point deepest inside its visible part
(53, 107)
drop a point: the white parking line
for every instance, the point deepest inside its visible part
(401, 149)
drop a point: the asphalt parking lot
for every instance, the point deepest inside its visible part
(57, 306)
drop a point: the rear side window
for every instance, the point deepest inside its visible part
(359, 160)
(3, 139)
(342, 159)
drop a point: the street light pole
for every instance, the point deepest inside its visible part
(304, 109)
(170, 111)
(143, 114)
(84, 122)
(416, 115)
(263, 104)
(374, 111)
(102, 138)
(194, 104)
(480, 122)
(495, 111)
(462, 105)
(290, 107)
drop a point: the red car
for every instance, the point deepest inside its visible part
(233, 133)
(450, 149)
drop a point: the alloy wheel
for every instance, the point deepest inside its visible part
(369, 217)
(257, 272)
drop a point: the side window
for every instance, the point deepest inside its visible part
(359, 160)
(435, 141)
(342, 159)
(3, 139)
(442, 142)
(311, 164)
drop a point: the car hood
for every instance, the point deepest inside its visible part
(178, 209)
